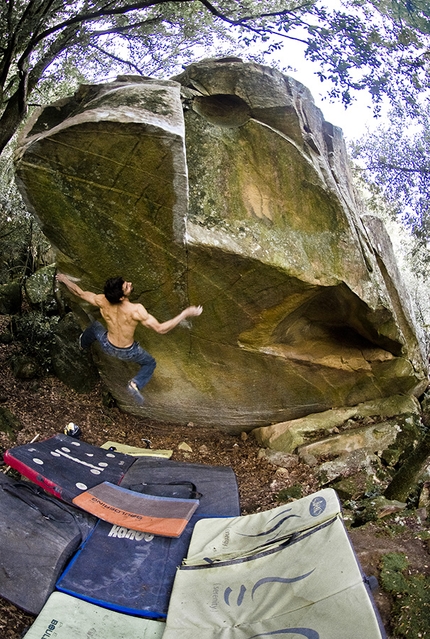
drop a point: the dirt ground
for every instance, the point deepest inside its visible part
(45, 406)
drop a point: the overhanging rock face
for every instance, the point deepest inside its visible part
(225, 187)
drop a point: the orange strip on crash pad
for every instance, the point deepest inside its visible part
(164, 516)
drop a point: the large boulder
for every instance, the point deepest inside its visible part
(225, 187)
(70, 364)
(291, 435)
(10, 298)
(39, 289)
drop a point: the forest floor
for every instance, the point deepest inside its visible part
(45, 406)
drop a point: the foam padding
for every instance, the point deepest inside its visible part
(65, 467)
(38, 535)
(125, 570)
(282, 580)
(216, 485)
(136, 451)
(65, 617)
(216, 540)
(165, 516)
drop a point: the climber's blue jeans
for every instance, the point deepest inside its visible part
(133, 353)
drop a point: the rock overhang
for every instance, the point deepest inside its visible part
(225, 187)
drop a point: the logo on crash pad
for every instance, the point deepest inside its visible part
(317, 506)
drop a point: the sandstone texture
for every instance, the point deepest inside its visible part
(225, 187)
(290, 436)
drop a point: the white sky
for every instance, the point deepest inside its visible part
(354, 120)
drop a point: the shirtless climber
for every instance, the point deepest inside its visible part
(122, 317)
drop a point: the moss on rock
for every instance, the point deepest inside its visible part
(411, 597)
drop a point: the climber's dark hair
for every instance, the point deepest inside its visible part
(113, 290)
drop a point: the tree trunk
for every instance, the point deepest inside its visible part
(10, 120)
(405, 480)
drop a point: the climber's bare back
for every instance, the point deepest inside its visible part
(122, 318)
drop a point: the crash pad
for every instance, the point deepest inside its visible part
(307, 583)
(66, 467)
(66, 617)
(166, 516)
(136, 451)
(221, 539)
(126, 570)
(216, 485)
(38, 535)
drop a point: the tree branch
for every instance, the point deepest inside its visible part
(257, 30)
(127, 27)
(214, 11)
(395, 167)
(81, 18)
(117, 59)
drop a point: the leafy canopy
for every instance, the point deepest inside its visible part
(51, 38)
(49, 42)
(396, 161)
(379, 45)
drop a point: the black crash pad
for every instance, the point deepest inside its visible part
(38, 535)
(216, 485)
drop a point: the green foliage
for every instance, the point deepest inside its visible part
(15, 224)
(35, 331)
(412, 255)
(293, 492)
(393, 172)
(414, 13)
(23, 246)
(9, 424)
(411, 603)
(392, 578)
(396, 159)
(63, 79)
(373, 46)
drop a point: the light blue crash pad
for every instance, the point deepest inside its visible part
(290, 571)
(65, 617)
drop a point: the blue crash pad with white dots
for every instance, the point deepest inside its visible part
(66, 467)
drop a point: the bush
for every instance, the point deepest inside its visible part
(35, 331)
